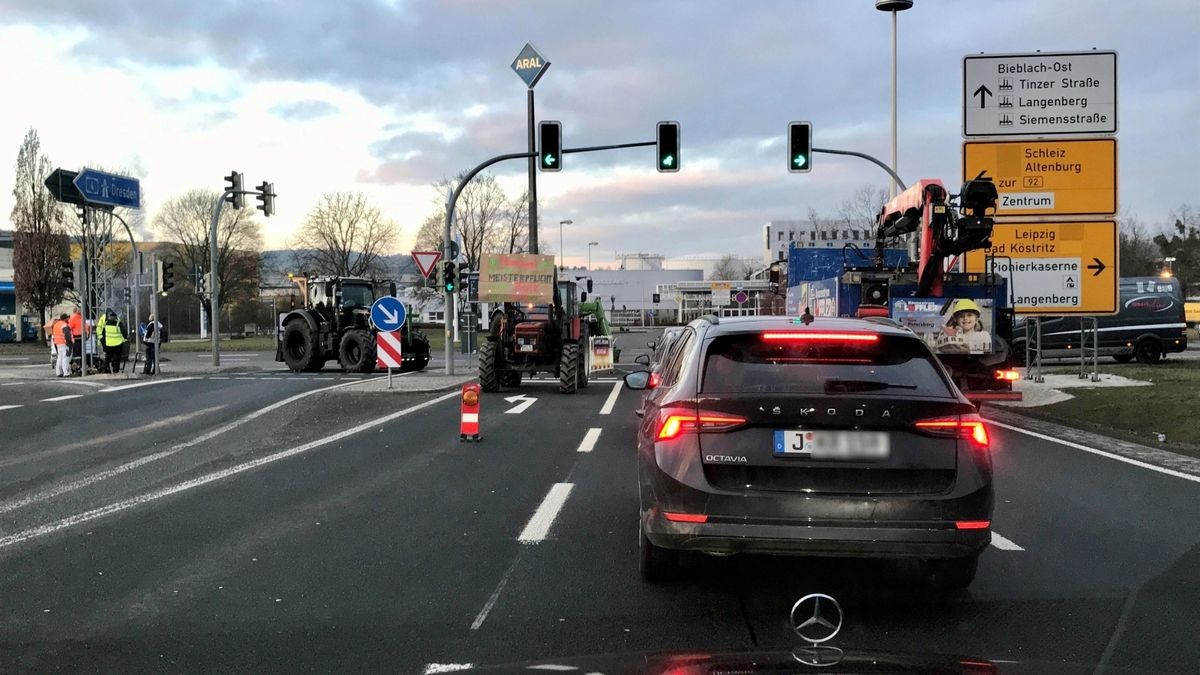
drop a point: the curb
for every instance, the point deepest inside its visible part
(1159, 457)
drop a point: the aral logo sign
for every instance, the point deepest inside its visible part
(530, 65)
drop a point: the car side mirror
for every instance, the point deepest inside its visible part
(642, 360)
(638, 380)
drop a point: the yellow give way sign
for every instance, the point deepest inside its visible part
(1048, 178)
(1055, 268)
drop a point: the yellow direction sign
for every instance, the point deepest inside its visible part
(1048, 178)
(1055, 268)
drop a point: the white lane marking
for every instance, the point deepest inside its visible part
(62, 398)
(446, 667)
(1094, 451)
(589, 440)
(539, 524)
(270, 378)
(133, 464)
(213, 377)
(145, 384)
(553, 667)
(15, 358)
(36, 365)
(1003, 543)
(244, 378)
(491, 601)
(9, 407)
(125, 504)
(522, 404)
(611, 400)
(13, 384)
(52, 492)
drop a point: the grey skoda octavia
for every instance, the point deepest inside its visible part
(833, 437)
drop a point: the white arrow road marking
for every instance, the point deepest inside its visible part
(1004, 544)
(446, 667)
(525, 402)
(63, 398)
(9, 407)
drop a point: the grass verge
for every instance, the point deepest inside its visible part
(1170, 406)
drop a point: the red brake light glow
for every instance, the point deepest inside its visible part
(972, 524)
(1008, 375)
(810, 336)
(676, 423)
(687, 517)
(655, 380)
(969, 427)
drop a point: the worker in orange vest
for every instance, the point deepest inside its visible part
(60, 334)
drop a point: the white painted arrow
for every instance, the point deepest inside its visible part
(525, 402)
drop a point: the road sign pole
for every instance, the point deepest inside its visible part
(215, 281)
(83, 302)
(448, 347)
(533, 220)
(154, 313)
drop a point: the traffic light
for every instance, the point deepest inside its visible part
(234, 184)
(164, 275)
(126, 295)
(68, 275)
(202, 283)
(550, 146)
(668, 147)
(800, 147)
(266, 198)
(449, 277)
(655, 298)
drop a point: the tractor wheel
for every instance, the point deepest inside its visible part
(356, 353)
(583, 371)
(511, 378)
(300, 350)
(489, 374)
(568, 368)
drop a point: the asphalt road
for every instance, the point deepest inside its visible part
(287, 543)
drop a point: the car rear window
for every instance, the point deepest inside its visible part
(890, 365)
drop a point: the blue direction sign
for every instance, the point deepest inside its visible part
(98, 187)
(530, 65)
(388, 313)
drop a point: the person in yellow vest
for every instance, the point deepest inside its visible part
(112, 336)
(60, 334)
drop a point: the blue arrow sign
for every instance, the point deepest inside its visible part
(98, 187)
(388, 313)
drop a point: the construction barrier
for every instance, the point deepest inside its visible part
(468, 429)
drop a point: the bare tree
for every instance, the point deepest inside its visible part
(1139, 255)
(1181, 241)
(344, 235)
(186, 221)
(39, 246)
(480, 208)
(861, 210)
(732, 267)
(512, 232)
(430, 233)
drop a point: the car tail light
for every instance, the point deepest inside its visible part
(812, 336)
(687, 517)
(655, 380)
(677, 422)
(969, 427)
(1008, 375)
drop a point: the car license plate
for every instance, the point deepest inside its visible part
(526, 348)
(845, 445)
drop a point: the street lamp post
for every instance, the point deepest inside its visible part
(560, 240)
(893, 6)
(590, 245)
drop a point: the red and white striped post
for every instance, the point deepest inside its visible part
(468, 429)
(388, 352)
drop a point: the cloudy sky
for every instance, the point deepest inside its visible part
(390, 96)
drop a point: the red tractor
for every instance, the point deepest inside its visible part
(526, 339)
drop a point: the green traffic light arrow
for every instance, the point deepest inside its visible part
(800, 161)
(669, 160)
(548, 160)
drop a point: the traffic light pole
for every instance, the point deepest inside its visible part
(869, 158)
(533, 220)
(215, 280)
(134, 263)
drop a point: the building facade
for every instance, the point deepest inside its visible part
(778, 235)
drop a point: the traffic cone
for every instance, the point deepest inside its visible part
(468, 429)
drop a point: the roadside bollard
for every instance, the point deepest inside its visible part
(469, 427)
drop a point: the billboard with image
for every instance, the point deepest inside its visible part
(948, 325)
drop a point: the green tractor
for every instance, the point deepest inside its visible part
(335, 323)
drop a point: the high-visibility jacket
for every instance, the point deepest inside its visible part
(56, 332)
(76, 324)
(112, 334)
(100, 327)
